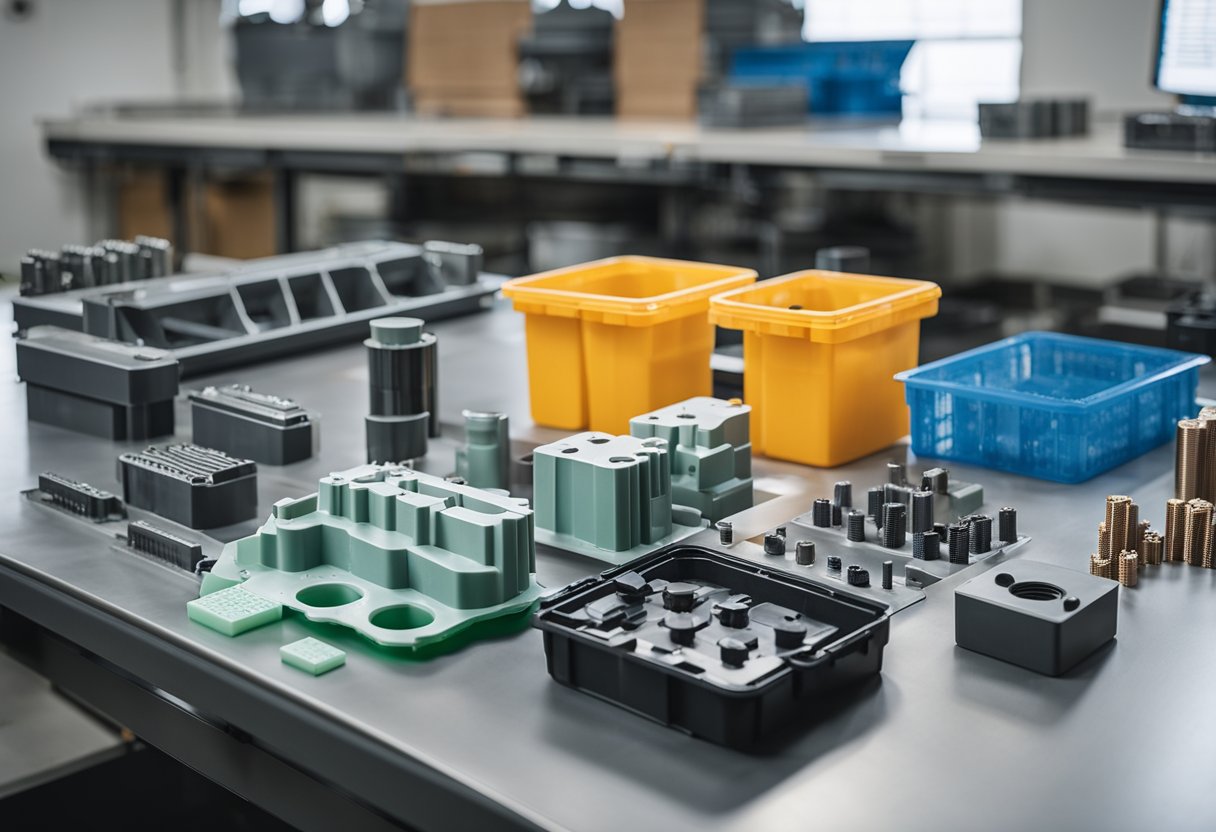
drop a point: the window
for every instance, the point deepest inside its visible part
(967, 51)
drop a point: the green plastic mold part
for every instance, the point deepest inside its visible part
(404, 558)
(312, 656)
(607, 497)
(233, 610)
(710, 446)
(485, 460)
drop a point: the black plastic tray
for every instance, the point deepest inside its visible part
(636, 663)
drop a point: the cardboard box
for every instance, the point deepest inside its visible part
(658, 58)
(463, 57)
(143, 205)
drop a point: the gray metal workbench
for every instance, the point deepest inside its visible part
(482, 738)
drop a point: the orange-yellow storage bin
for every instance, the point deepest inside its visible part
(614, 338)
(819, 352)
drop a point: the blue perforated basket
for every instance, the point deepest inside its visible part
(1056, 407)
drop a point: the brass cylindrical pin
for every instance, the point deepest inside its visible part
(1175, 530)
(1208, 486)
(1153, 548)
(1133, 525)
(1104, 547)
(1118, 521)
(1186, 459)
(1129, 568)
(1198, 538)
(1099, 566)
(1142, 530)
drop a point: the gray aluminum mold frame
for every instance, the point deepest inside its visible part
(265, 308)
(608, 497)
(404, 558)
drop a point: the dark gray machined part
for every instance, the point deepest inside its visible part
(95, 386)
(402, 375)
(1036, 615)
(198, 487)
(258, 426)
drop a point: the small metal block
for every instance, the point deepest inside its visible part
(888, 574)
(834, 563)
(857, 576)
(821, 513)
(1007, 524)
(856, 529)
(774, 545)
(679, 596)
(683, 626)
(726, 532)
(804, 553)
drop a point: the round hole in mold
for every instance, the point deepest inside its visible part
(329, 595)
(401, 617)
(685, 416)
(1036, 591)
(599, 440)
(620, 459)
(1004, 579)
(569, 450)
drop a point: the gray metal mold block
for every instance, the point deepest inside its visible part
(198, 487)
(402, 366)
(607, 497)
(404, 558)
(258, 426)
(95, 386)
(711, 453)
(1036, 615)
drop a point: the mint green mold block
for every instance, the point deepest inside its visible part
(404, 558)
(233, 611)
(608, 497)
(709, 441)
(312, 656)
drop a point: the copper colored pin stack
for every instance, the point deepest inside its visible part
(1187, 457)
(1104, 547)
(1142, 530)
(1198, 537)
(1129, 568)
(1119, 521)
(1175, 530)
(1207, 486)
(1153, 547)
(1099, 566)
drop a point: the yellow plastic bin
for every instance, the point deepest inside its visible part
(819, 352)
(614, 338)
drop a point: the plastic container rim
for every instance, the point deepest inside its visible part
(916, 292)
(523, 289)
(1184, 361)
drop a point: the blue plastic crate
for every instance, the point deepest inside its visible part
(855, 77)
(1056, 407)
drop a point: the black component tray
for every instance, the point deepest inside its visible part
(610, 636)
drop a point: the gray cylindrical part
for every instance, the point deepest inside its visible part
(485, 461)
(981, 534)
(888, 574)
(842, 494)
(726, 532)
(897, 473)
(856, 530)
(774, 545)
(1007, 524)
(402, 366)
(958, 543)
(874, 501)
(894, 525)
(804, 553)
(922, 511)
(821, 513)
(926, 546)
(853, 259)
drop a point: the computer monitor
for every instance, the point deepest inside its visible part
(1186, 48)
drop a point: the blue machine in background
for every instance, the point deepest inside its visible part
(845, 77)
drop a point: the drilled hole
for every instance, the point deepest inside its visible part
(401, 617)
(328, 595)
(1036, 591)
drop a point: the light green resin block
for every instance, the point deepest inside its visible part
(233, 611)
(404, 558)
(711, 453)
(312, 656)
(607, 497)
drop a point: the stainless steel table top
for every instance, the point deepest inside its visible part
(948, 740)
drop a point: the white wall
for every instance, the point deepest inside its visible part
(72, 52)
(1102, 49)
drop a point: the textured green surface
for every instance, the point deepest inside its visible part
(404, 558)
(711, 453)
(233, 611)
(312, 656)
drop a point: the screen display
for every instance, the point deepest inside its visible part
(1186, 57)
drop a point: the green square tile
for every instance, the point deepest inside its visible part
(312, 656)
(232, 611)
